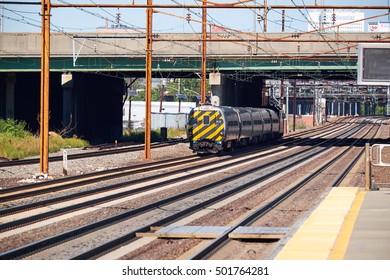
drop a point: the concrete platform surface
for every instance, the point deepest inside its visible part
(370, 238)
(349, 224)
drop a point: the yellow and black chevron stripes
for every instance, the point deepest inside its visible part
(206, 125)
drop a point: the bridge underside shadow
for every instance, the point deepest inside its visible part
(235, 92)
(89, 106)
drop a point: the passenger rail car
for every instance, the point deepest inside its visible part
(211, 129)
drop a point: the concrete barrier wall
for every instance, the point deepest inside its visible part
(113, 44)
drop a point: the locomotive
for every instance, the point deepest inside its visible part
(214, 129)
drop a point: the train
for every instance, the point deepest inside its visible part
(215, 129)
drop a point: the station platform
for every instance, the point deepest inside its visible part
(349, 224)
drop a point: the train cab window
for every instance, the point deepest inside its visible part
(206, 120)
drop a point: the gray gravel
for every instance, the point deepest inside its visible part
(10, 176)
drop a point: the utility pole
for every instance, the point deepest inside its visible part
(204, 45)
(148, 74)
(265, 16)
(1, 18)
(388, 101)
(44, 96)
(162, 93)
(294, 104)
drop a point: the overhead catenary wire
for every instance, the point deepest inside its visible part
(234, 32)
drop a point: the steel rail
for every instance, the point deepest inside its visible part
(220, 241)
(96, 252)
(348, 168)
(17, 252)
(84, 155)
(103, 176)
(76, 181)
(82, 205)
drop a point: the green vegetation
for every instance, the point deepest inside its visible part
(177, 133)
(188, 86)
(374, 110)
(17, 143)
(139, 136)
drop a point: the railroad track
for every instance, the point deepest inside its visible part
(108, 151)
(122, 216)
(28, 190)
(264, 209)
(67, 183)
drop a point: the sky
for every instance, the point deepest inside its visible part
(25, 18)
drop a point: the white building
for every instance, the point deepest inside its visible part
(326, 18)
(169, 117)
(379, 27)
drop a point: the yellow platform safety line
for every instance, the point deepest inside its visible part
(316, 237)
(342, 241)
(205, 131)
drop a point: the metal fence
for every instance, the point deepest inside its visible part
(158, 120)
(169, 120)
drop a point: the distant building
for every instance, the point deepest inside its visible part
(327, 18)
(379, 27)
(115, 28)
(170, 116)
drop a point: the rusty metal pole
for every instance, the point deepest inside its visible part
(295, 104)
(265, 16)
(204, 54)
(368, 167)
(314, 106)
(44, 95)
(148, 74)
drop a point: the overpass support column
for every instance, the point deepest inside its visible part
(356, 108)
(68, 111)
(367, 108)
(332, 111)
(338, 109)
(10, 81)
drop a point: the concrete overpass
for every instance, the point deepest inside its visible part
(92, 101)
(263, 54)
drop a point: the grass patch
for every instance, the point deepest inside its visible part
(139, 136)
(177, 133)
(18, 143)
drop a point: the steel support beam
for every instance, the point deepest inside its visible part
(294, 104)
(44, 95)
(265, 16)
(204, 54)
(216, 6)
(148, 75)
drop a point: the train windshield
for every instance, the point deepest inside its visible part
(206, 120)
